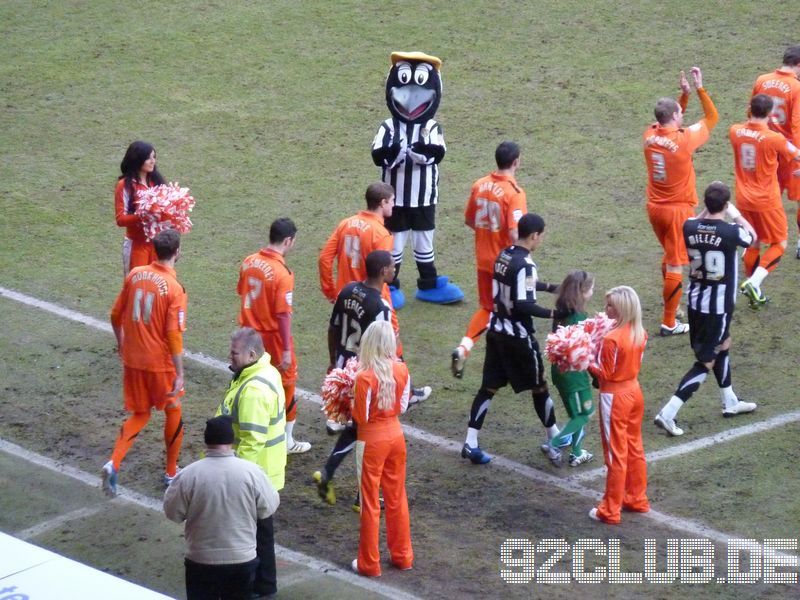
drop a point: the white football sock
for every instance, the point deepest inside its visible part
(467, 343)
(552, 431)
(671, 408)
(728, 397)
(758, 276)
(472, 437)
(289, 438)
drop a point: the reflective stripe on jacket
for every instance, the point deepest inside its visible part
(255, 400)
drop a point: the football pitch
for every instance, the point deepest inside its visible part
(268, 110)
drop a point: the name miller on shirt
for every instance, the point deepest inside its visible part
(704, 238)
(160, 282)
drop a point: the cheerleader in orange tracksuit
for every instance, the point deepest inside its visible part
(622, 408)
(382, 389)
(138, 173)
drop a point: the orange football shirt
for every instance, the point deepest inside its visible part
(265, 287)
(349, 244)
(151, 305)
(784, 88)
(756, 149)
(495, 206)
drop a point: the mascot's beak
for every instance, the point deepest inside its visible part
(412, 100)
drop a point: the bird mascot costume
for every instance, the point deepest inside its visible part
(409, 147)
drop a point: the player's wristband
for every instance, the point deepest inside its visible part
(733, 212)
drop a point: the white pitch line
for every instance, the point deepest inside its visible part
(315, 564)
(699, 444)
(567, 484)
(58, 521)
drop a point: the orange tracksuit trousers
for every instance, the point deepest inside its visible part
(383, 467)
(621, 411)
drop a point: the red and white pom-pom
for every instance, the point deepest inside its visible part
(165, 206)
(597, 327)
(337, 392)
(569, 348)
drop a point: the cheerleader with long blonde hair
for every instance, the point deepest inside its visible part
(621, 408)
(381, 393)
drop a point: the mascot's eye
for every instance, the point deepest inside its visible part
(420, 76)
(404, 74)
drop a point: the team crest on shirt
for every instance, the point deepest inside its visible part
(289, 298)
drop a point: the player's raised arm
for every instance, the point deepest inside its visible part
(710, 114)
(686, 89)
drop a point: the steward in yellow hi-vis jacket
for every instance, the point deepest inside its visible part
(255, 401)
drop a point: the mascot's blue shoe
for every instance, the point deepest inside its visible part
(444, 292)
(398, 297)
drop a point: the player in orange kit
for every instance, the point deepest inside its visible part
(495, 206)
(149, 317)
(784, 88)
(266, 286)
(756, 151)
(139, 172)
(353, 239)
(671, 194)
(621, 408)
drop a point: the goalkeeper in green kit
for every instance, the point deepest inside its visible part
(575, 387)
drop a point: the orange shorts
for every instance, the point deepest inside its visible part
(274, 347)
(770, 225)
(145, 390)
(485, 295)
(667, 222)
(786, 178)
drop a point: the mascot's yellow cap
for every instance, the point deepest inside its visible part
(418, 56)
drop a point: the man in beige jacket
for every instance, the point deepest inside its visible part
(221, 498)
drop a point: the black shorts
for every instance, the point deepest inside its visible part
(707, 332)
(419, 218)
(512, 360)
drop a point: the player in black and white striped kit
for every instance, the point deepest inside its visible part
(409, 147)
(512, 352)
(712, 244)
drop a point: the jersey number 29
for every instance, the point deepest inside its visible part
(713, 264)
